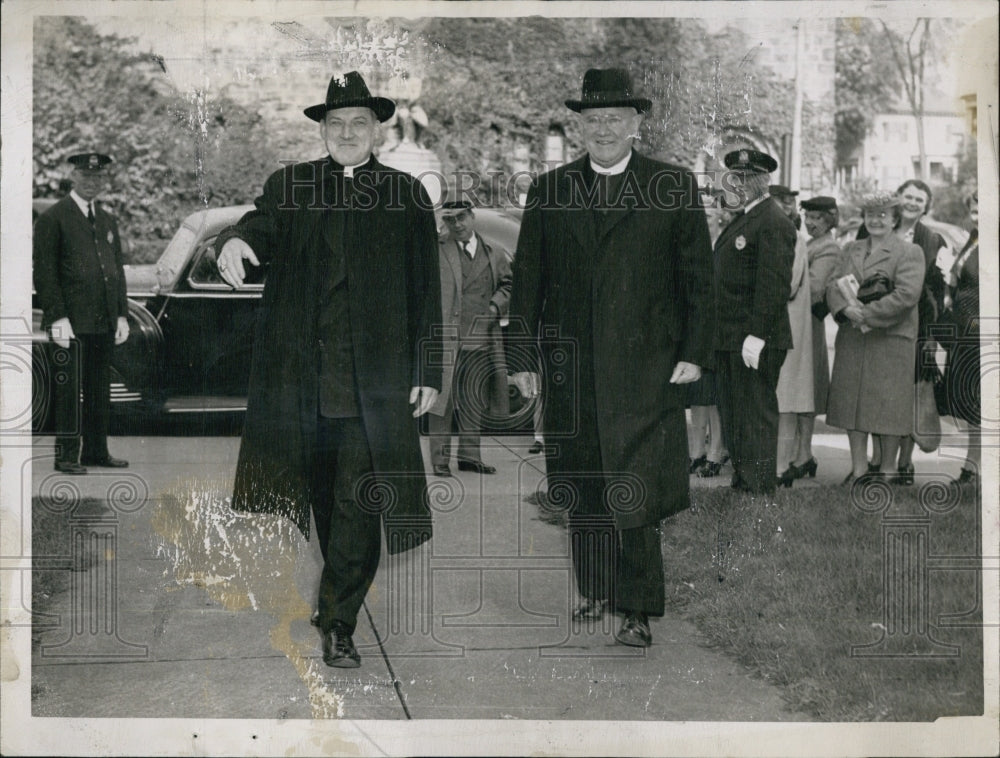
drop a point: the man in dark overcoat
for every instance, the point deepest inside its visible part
(753, 281)
(475, 295)
(80, 282)
(351, 297)
(613, 277)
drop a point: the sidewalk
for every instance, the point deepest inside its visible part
(192, 612)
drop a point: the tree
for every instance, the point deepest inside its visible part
(866, 82)
(911, 57)
(173, 153)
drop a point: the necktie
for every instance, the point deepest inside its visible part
(90, 213)
(466, 250)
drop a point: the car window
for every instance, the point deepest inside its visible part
(205, 274)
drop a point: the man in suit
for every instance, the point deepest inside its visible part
(351, 297)
(785, 198)
(753, 273)
(80, 282)
(613, 278)
(475, 293)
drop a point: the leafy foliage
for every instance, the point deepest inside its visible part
(172, 153)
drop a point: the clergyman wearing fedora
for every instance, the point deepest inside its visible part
(80, 282)
(613, 275)
(336, 379)
(753, 274)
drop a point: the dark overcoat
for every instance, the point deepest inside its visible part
(451, 304)
(78, 268)
(753, 272)
(613, 314)
(391, 267)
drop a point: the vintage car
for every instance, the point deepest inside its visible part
(191, 337)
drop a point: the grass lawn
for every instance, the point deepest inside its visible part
(789, 584)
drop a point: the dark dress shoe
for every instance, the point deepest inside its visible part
(787, 476)
(108, 462)
(635, 631)
(904, 476)
(590, 610)
(967, 476)
(874, 468)
(536, 448)
(70, 467)
(339, 650)
(809, 467)
(442, 471)
(696, 463)
(477, 466)
(710, 469)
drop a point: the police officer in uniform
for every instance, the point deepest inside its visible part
(753, 273)
(80, 284)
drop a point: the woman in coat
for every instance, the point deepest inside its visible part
(823, 252)
(914, 202)
(795, 382)
(871, 390)
(961, 376)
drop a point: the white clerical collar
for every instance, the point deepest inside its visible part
(756, 202)
(472, 246)
(618, 168)
(83, 204)
(349, 170)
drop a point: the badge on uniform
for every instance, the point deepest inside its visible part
(111, 238)
(741, 242)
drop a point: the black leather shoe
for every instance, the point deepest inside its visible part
(787, 477)
(338, 649)
(442, 471)
(108, 462)
(536, 448)
(477, 466)
(70, 467)
(590, 610)
(635, 631)
(966, 476)
(904, 476)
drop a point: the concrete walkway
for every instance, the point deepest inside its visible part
(188, 610)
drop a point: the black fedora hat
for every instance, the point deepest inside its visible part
(819, 203)
(350, 91)
(608, 88)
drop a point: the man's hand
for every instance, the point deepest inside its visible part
(751, 351)
(62, 332)
(121, 331)
(424, 398)
(527, 383)
(230, 262)
(685, 373)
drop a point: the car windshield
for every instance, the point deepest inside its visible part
(176, 254)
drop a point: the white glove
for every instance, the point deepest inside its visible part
(751, 351)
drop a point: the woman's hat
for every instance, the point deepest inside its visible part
(819, 203)
(350, 91)
(608, 88)
(877, 200)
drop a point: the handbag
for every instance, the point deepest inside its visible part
(926, 422)
(875, 288)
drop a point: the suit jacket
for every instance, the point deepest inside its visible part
(394, 299)
(78, 268)
(613, 314)
(753, 272)
(451, 304)
(903, 263)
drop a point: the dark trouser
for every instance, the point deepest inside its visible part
(623, 566)
(349, 537)
(748, 407)
(467, 402)
(87, 364)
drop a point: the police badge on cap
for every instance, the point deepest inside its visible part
(90, 161)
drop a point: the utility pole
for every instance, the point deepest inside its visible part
(795, 164)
